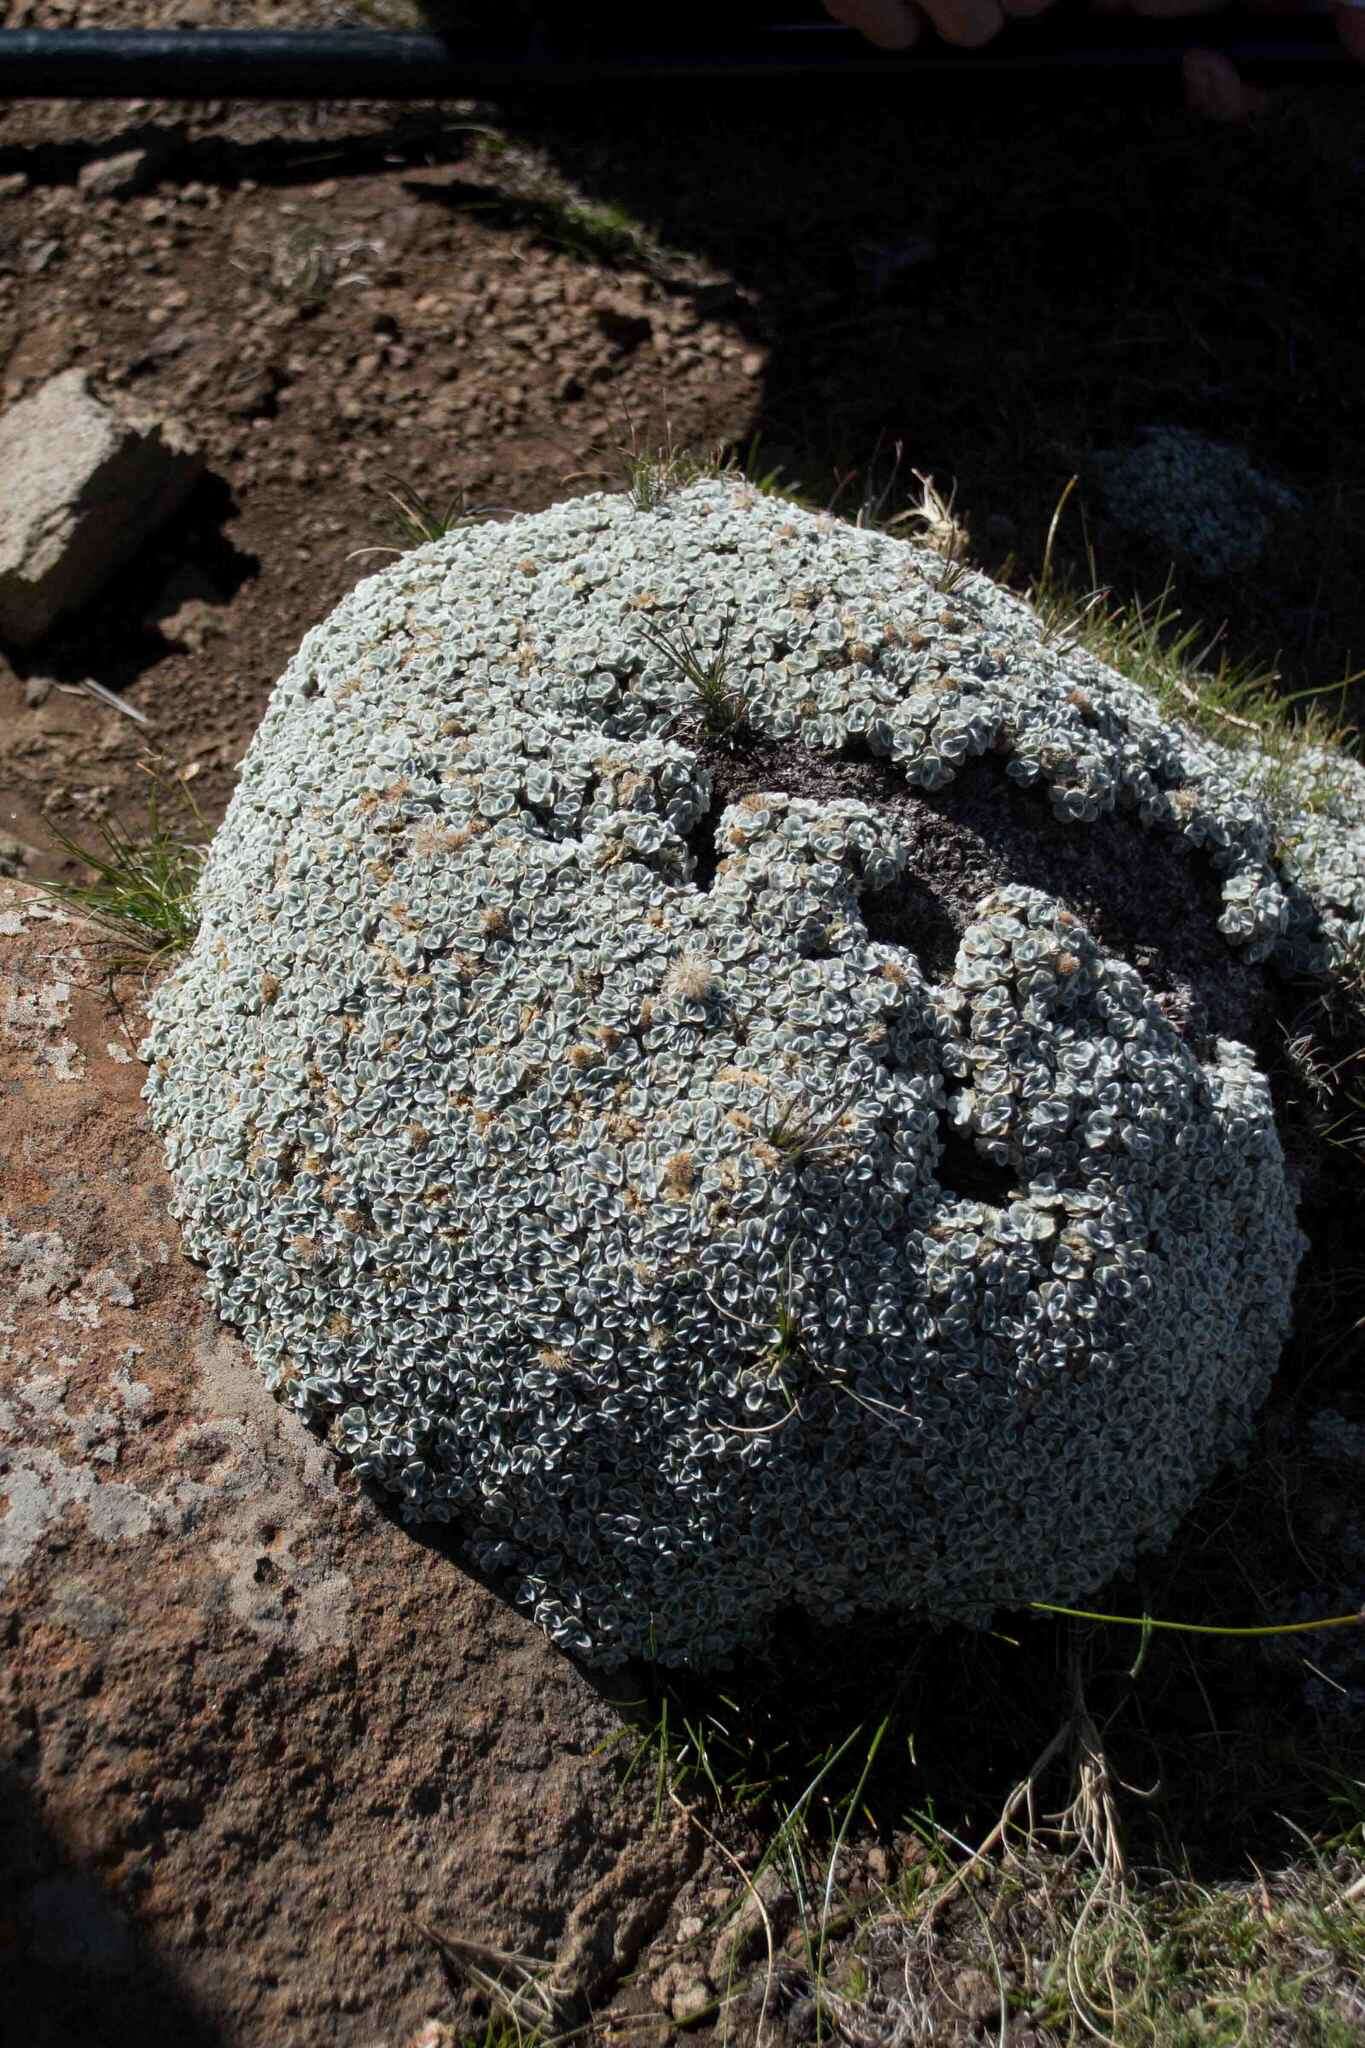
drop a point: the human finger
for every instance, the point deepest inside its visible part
(1158, 10)
(967, 23)
(888, 24)
(1216, 90)
(1350, 21)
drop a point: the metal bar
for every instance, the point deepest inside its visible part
(358, 63)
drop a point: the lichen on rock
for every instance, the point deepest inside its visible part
(565, 1144)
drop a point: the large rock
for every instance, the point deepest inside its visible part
(85, 485)
(252, 1735)
(767, 1116)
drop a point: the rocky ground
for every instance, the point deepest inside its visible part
(315, 291)
(266, 1746)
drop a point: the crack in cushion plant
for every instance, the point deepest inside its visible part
(582, 1164)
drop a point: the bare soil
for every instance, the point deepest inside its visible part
(315, 293)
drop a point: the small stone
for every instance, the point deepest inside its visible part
(691, 2002)
(432, 2034)
(85, 485)
(13, 184)
(37, 690)
(115, 177)
(976, 1995)
(684, 1992)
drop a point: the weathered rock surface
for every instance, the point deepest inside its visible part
(84, 487)
(254, 1734)
(115, 177)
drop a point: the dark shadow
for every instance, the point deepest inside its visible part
(1005, 278)
(79, 1972)
(125, 630)
(61, 162)
(1132, 886)
(964, 1171)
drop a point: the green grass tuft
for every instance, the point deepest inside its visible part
(144, 888)
(414, 521)
(653, 475)
(597, 232)
(1236, 703)
(721, 709)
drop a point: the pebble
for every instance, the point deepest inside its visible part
(114, 177)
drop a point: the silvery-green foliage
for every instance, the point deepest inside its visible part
(480, 1112)
(1200, 497)
(1319, 794)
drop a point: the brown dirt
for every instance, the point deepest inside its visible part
(477, 367)
(1145, 896)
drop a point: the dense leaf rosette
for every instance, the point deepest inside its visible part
(566, 1146)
